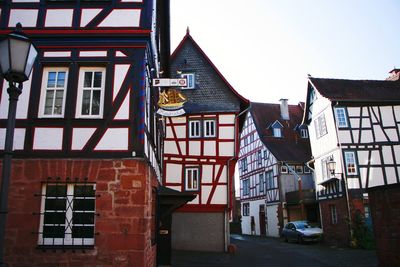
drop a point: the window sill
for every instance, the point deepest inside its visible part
(66, 247)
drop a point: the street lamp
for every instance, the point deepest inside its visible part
(331, 164)
(17, 55)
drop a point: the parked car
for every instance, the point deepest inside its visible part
(301, 231)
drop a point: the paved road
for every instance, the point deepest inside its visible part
(257, 251)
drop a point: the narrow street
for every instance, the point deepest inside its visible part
(257, 251)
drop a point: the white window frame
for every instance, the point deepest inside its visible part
(210, 128)
(246, 209)
(259, 157)
(320, 126)
(82, 71)
(44, 89)
(67, 240)
(299, 169)
(307, 169)
(333, 213)
(277, 132)
(194, 128)
(269, 180)
(341, 118)
(192, 179)
(304, 133)
(190, 80)
(261, 182)
(244, 164)
(284, 169)
(350, 159)
(246, 187)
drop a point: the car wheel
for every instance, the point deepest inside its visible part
(300, 239)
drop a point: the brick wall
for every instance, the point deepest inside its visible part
(338, 233)
(385, 211)
(124, 206)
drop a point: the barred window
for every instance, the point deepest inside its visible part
(67, 216)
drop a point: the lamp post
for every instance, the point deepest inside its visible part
(17, 55)
(331, 164)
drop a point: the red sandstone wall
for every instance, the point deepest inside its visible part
(124, 206)
(335, 234)
(385, 211)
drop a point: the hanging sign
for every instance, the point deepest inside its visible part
(170, 103)
(167, 82)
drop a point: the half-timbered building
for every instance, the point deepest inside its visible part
(87, 145)
(276, 185)
(200, 150)
(356, 124)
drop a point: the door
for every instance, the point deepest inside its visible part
(262, 220)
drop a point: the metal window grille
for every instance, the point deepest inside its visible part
(67, 213)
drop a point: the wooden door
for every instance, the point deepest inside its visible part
(262, 220)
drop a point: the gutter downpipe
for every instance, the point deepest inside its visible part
(343, 175)
(235, 156)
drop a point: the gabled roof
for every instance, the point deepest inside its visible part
(291, 147)
(213, 93)
(357, 90)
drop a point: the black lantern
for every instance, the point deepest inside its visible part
(331, 164)
(17, 55)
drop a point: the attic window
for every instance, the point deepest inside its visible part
(277, 129)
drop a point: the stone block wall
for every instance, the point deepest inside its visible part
(124, 206)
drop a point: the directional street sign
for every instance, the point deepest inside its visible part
(167, 82)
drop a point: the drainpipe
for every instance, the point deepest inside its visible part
(344, 176)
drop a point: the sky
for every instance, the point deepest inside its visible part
(266, 48)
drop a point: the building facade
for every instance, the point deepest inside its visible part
(87, 159)
(276, 185)
(200, 150)
(355, 123)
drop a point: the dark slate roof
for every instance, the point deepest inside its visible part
(291, 147)
(213, 93)
(357, 90)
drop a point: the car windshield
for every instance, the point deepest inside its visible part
(302, 225)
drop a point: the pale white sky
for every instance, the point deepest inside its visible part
(266, 48)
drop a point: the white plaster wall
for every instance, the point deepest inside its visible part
(209, 148)
(88, 14)
(48, 138)
(114, 139)
(227, 119)
(80, 136)
(220, 195)
(271, 214)
(19, 138)
(254, 211)
(226, 149)
(122, 18)
(120, 72)
(173, 173)
(170, 147)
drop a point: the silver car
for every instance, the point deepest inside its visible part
(301, 231)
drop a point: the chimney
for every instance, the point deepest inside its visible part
(394, 75)
(284, 109)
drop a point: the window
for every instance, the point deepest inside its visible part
(192, 179)
(244, 164)
(307, 170)
(209, 128)
(245, 141)
(259, 157)
(54, 88)
(90, 93)
(269, 179)
(334, 216)
(341, 117)
(194, 129)
(265, 154)
(190, 80)
(350, 159)
(246, 187)
(303, 133)
(299, 169)
(320, 126)
(261, 180)
(325, 172)
(67, 214)
(284, 169)
(251, 137)
(246, 209)
(277, 132)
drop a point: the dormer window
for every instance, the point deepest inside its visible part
(276, 128)
(303, 133)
